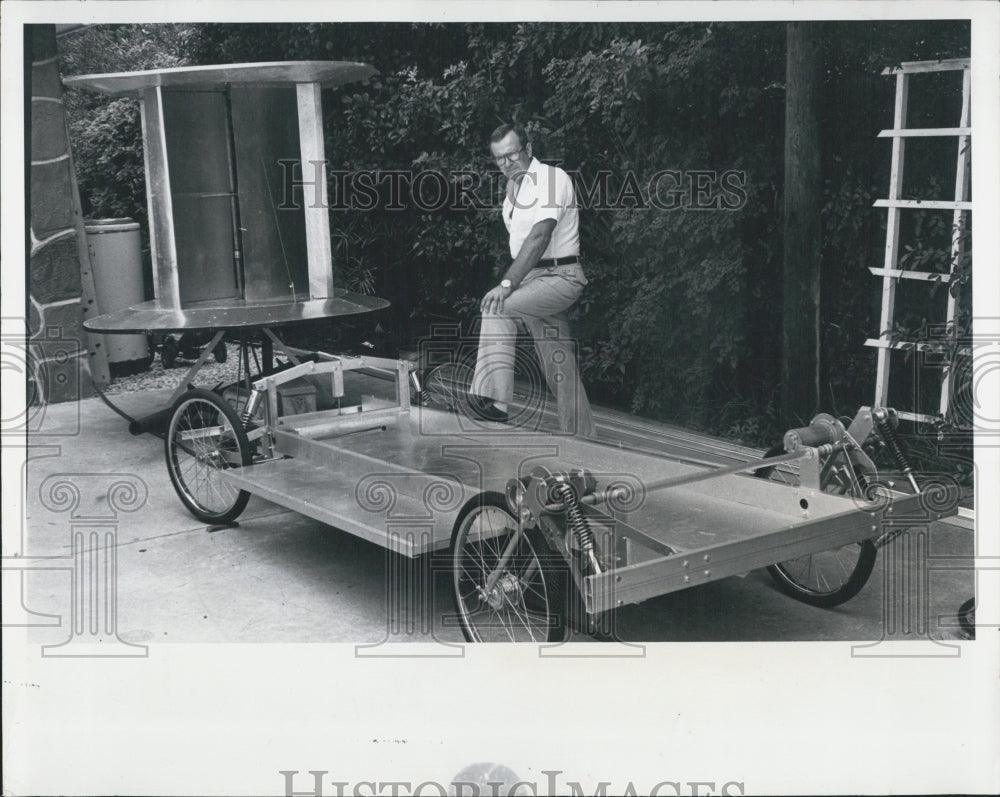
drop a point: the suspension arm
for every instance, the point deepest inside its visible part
(605, 495)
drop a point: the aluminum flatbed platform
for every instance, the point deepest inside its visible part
(404, 485)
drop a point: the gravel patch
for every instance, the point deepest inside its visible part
(157, 377)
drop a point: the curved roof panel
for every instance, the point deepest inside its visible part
(273, 73)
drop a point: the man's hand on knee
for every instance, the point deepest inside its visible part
(493, 301)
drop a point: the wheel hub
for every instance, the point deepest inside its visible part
(507, 588)
(210, 458)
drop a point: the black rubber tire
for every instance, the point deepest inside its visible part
(150, 351)
(851, 564)
(192, 469)
(168, 352)
(967, 618)
(530, 605)
(220, 352)
(859, 561)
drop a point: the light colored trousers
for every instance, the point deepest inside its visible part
(541, 302)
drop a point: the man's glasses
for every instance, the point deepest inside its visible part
(508, 158)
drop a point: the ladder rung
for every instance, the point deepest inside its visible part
(896, 273)
(919, 132)
(902, 345)
(911, 67)
(934, 351)
(927, 204)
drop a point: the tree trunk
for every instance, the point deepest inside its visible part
(803, 199)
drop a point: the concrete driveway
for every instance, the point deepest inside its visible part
(280, 577)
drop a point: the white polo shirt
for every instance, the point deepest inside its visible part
(546, 192)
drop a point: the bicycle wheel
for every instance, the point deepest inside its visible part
(967, 618)
(526, 602)
(205, 437)
(447, 385)
(827, 578)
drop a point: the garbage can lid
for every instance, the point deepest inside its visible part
(98, 226)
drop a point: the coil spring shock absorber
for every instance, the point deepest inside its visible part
(246, 417)
(423, 397)
(888, 433)
(578, 523)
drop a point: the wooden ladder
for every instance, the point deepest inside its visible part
(891, 273)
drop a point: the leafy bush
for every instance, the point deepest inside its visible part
(681, 320)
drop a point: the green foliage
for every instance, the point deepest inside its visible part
(428, 261)
(681, 319)
(106, 133)
(108, 151)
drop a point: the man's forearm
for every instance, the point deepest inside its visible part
(531, 251)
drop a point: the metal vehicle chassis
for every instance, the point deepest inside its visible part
(543, 529)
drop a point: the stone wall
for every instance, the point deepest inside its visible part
(59, 265)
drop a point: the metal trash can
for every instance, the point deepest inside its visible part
(116, 261)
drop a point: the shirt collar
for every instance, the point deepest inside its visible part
(533, 168)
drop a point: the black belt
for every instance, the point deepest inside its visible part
(551, 262)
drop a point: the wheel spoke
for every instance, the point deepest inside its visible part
(825, 578)
(500, 616)
(524, 616)
(204, 438)
(517, 606)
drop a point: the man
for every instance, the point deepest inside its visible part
(544, 280)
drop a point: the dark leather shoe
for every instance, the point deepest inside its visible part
(485, 410)
(492, 414)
